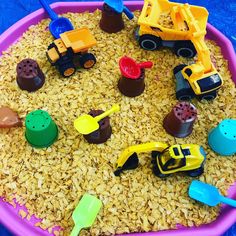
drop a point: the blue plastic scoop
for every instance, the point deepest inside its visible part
(208, 194)
(118, 6)
(58, 25)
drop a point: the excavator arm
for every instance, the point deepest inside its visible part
(202, 75)
(125, 160)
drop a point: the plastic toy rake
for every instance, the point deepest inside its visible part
(85, 213)
(58, 25)
(208, 194)
(130, 69)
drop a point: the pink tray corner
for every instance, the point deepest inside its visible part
(8, 214)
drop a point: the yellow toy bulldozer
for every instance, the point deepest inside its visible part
(189, 158)
(184, 33)
(70, 51)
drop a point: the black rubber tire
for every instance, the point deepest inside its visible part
(149, 42)
(184, 95)
(208, 96)
(196, 172)
(185, 49)
(85, 58)
(178, 68)
(63, 68)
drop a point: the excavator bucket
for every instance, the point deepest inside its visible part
(130, 164)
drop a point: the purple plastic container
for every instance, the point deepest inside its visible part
(9, 215)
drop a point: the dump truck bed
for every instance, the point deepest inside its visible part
(79, 40)
(154, 10)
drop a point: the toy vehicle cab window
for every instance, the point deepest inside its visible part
(188, 71)
(186, 152)
(176, 151)
(174, 164)
(169, 163)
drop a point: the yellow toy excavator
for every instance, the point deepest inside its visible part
(189, 158)
(184, 33)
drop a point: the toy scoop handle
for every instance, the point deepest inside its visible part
(75, 231)
(228, 201)
(147, 64)
(114, 108)
(128, 13)
(49, 10)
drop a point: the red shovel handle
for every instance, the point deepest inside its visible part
(147, 64)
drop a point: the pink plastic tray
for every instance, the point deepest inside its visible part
(9, 215)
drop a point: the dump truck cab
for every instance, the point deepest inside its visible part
(70, 51)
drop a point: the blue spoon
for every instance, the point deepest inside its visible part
(58, 25)
(118, 6)
(208, 194)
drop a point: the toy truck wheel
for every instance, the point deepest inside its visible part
(196, 172)
(67, 70)
(184, 95)
(208, 96)
(185, 49)
(149, 42)
(87, 61)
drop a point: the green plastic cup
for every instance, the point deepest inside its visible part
(41, 130)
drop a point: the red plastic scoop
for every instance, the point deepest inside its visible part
(130, 69)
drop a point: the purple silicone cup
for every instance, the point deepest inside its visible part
(8, 214)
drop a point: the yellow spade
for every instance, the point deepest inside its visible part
(87, 124)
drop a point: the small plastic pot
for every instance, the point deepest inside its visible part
(29, 75)
(222, 139)
(41, 130)
(103, 133)
(132, 87)
(179, 122)
(111, 21)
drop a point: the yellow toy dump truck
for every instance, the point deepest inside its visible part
(181, 27)
(166, 160)
(164, 23)
(70, 51)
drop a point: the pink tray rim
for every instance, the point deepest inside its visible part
(18, 226)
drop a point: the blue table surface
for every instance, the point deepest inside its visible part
(222, 15)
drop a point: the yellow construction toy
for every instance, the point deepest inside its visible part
(189, 158)
(181, 27)
(70, 51)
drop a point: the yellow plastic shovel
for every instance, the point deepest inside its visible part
(87, 124)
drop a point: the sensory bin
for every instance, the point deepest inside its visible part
(51, 181)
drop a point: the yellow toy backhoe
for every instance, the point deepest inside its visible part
(189, 158)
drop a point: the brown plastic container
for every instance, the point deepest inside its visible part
(111, 21)
(179, 122)
(103, 133)
(132, 87)
(29, 75)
